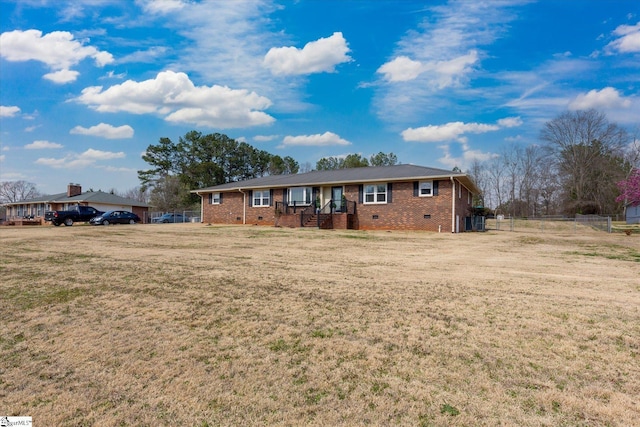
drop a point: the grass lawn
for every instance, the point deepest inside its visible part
(187, 324)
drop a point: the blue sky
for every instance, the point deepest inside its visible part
(87, 85)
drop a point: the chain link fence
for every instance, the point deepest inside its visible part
(172, 217)
(551, 224)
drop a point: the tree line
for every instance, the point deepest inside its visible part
(198, 161)
(576, 169)
(583, 164)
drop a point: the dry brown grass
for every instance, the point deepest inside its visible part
(199, 325)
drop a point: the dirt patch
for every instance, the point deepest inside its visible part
(199, 325)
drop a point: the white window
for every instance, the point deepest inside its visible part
(261, 198)
(300, 196)
(375, 193)
(214, 198)
(425, 189)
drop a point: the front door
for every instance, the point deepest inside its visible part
(336, 196)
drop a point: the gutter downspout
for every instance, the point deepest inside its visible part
(453, 205)
(244, 206)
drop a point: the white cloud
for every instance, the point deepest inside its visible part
(112, 75)
(319, 140)
(450, 72)
(9, 111)
(105, 131)
(317, 56)
(38, 145)
(225, 42)
(442, 74)
(605, 98)
(442, 53)
(58, 50)
(401, 69)
(62, 76)
(265, 138)
(541, 93)
(162, 6)
(175, 97)
(467, 157)
(510, 122)
(144, 56)
(82, 160)
(628, 40)
(447, 132)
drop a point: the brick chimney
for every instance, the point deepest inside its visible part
(74, 190)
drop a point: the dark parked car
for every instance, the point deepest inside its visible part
(76, 213)
(115, 217)
(171, 217)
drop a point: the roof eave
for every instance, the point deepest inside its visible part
(462, 177)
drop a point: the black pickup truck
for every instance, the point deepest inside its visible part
(77, 213)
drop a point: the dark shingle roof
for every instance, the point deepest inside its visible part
(42, 199)
(87, 197)
(344, 176)
(100, 197)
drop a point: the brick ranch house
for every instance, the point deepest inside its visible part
(36, 207)
(400, 197)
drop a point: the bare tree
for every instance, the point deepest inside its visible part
(532, 169)
(136, 193)
(479, 174)
(497, 184)
(166, 195)
(305, 167)
(510, 159)
(549, 191)
(580, 146)
(632, 152)
(15, 191)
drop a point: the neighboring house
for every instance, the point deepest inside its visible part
(401, 197)
(36, 207)
(633, 214)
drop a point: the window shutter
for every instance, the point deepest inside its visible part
(250, 198)
(284, 195)
(435, 188)
(360, 193)
(416, 191)
(389, 198)
(221, 198)
(270, 197)
(210, 198)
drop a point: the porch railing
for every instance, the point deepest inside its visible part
(286, 208)
(323, 215)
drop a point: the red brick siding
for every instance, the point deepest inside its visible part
(405, 212)
(226, 212)
(230, 211)
(291, 221)
(142, 212)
